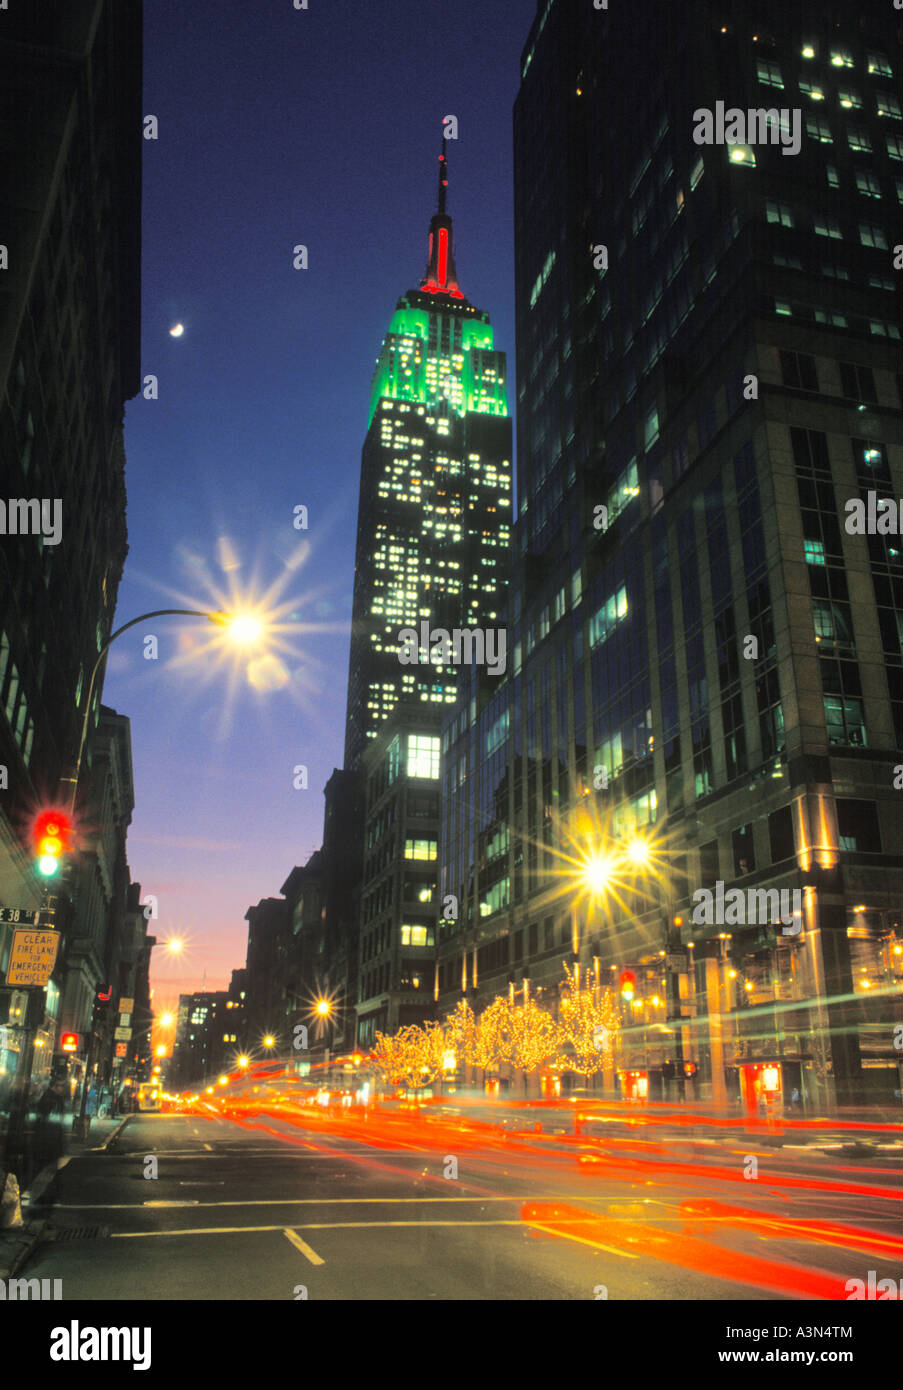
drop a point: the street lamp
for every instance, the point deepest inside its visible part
(245, 628)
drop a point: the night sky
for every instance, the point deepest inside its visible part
(278, 127)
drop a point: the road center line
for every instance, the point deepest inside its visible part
(307, 1202)
(302, 1245)
(320, 1226)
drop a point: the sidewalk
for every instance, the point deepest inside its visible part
(16, 1243)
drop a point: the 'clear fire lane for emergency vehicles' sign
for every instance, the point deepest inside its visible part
(32, 957)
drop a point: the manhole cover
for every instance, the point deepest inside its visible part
(77, 1233)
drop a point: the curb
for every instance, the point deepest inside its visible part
(111, 1139)
(14, 1251)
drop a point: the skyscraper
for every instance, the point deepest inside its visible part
(705, 654)
(435, 496)
(434, 527)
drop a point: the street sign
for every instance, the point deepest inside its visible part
(122, 1049)
(32, 957)
(24, 915)
(122, 1035)
(126, 1006)
(125, 1020)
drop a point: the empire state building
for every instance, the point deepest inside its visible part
(434, 515)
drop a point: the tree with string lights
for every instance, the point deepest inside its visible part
(460, 1034)
(589, 1023)
(535, 1036)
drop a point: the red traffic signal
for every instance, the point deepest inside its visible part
(689, 1069)
(628, 984)
(69, 1042)
(51, 837)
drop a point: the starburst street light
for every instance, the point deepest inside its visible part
(244, 628)
(603, 863)
(269, 1040)
(241, 625)
(638, 851)
(598, 872)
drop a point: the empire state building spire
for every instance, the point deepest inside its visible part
(441, 277)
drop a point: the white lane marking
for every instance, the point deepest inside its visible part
(163, 1203)
(303, 1246)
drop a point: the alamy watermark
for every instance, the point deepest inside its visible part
(22, 1290)
(876, 516)
(460, 647)
(33, 516)
(756, 126)
(740, 907)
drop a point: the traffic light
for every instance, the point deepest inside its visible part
(668, 1071)
(689, 1069)
(102, 1000)
(628, 984)
(51, 837)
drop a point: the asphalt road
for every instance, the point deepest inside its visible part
(399, 1206)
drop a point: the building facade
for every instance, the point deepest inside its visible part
(399, 885)
(706, 643)
(70, 109)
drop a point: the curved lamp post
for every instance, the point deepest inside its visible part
(247, 627)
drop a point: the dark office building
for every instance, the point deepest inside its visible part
(70, 202)
(434, 510)
(323, 901)
(269, 937)
(399, 889)
(205, 1047)
(707, 645)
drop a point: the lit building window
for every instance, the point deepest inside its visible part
(827, 226)
(819, 129)
(769, 73)
(778, 212)
(867, 183)
(423, 756)
(879, 65)
(420, 849)
(870, 235)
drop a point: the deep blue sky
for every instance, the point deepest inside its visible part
(278, 127)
